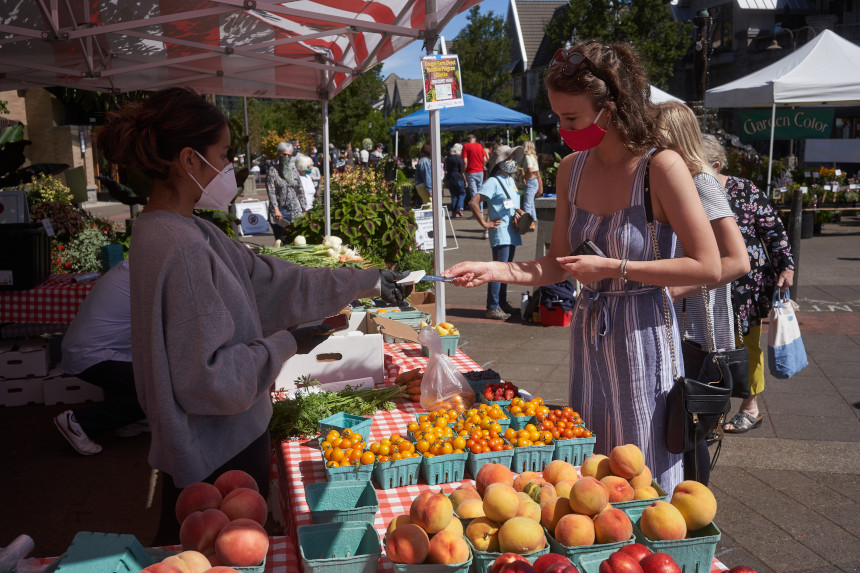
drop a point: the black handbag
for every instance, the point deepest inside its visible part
(695, 406)
(738, 361)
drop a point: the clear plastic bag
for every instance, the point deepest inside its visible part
(443, 385)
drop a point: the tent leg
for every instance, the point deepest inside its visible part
(770, 153)
(396, 144)
(531, 135)
(247, 134)
(327, 169)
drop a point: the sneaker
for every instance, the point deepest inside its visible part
(486, 234)
(75, 435)
(132, 430)
(497, 314)
(509, 309)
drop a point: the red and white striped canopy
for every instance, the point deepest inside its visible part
(300, 49)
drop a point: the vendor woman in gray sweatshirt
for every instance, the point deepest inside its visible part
(209, 318)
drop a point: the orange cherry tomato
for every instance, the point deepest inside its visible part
(367, 458)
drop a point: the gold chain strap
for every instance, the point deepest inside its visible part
(666, 316)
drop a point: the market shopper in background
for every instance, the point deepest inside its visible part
(531, 176)
(97, 349)
(305, 167)
(771, 267)
(680, 126)
(620, 366)
(424, 174)
(474, 161)
(456, 180)
(284, 190)
(503, 213)
(209, 318)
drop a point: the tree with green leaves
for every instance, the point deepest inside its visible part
(484, 49)
(645, 24)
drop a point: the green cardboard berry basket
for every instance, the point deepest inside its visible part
(590, 562)
(397, 473)
(634, 508)
(531, 458)
(575, 553)
(520, 422)
(342, 501)
(342, 421)
(574, 450)
(444, 468)
(694, 554)
(433, 568)
(351, 472)
(483, 560)
(339, 548)
(483, 400)
(474, 462)
(449, 345)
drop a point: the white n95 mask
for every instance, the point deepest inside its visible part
(220, 191)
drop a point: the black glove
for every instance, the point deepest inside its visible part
(392, 292)
(309, 337)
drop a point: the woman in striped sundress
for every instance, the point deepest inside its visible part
(620, 366)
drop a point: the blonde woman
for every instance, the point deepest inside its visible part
(531, 175)
(680, 126)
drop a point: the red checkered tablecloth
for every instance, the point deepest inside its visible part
(54, 301)
(281, 558)
(303, 464)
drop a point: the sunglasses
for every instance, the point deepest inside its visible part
(572, 62)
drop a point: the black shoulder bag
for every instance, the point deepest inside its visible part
(695, 406)
(525, 221)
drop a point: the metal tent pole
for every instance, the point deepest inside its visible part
(770, 153)
(327, 168)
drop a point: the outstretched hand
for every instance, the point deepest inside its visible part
(470, 274)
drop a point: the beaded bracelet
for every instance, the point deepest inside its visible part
(623, 270)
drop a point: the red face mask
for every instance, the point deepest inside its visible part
(586, 138)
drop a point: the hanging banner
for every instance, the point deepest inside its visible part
(804, 123)
(443, 86)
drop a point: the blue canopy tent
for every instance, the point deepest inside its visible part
(476, 113)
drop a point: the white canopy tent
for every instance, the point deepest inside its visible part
(300, 49)
(659, 96)
(823, 72)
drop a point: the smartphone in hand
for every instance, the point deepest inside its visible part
(337, 322)
(587, 248)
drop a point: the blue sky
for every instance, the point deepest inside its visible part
(406, 62)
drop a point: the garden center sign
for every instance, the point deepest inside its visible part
(790, 124)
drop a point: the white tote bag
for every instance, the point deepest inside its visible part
(786, 355)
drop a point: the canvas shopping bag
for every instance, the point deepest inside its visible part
(786, 355)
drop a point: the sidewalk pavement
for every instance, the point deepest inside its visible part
(787, 492)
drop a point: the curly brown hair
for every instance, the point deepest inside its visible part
(148, 136)
(622, 73)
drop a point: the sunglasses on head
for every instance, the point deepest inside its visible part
(572, 62)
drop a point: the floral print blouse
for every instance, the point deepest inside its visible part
(762, 229)
(284, 193)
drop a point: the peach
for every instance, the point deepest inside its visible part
(199, 530)
(596, 466)
(524, 478)
(243, 543)
(521, 535)
(559, 470)
(524, 496)
(645, 492)
(493, 473)
(544, 562)
(454, 528)
(540, 491)
(612, 525)
(244, 502)
(619, 489)
(198, 496)
(506, 558)
(431, 511)
(662, 521)
(407, 544)
(557, 508)
(695, 502)
(500, 502)
(483, 533)
(588, 496)
(175, 561)
(447, 549)
(562, 488)
(575, 530)
(459, 495)
(470, 509)
(644, 478)
(232, 479)
(197, 562)
(529, 509)
(626, 461)
(222, 569)
(397, 522)
(161, 567)
(518, 567)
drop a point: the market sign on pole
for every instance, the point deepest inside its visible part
(443, 86)
(790, 123)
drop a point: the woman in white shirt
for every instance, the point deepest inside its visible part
(305, 166)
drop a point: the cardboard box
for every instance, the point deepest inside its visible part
(22, 391)
(65, 389)
(23, 358)
(390, 329)
(425, 302)
(344, 356)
